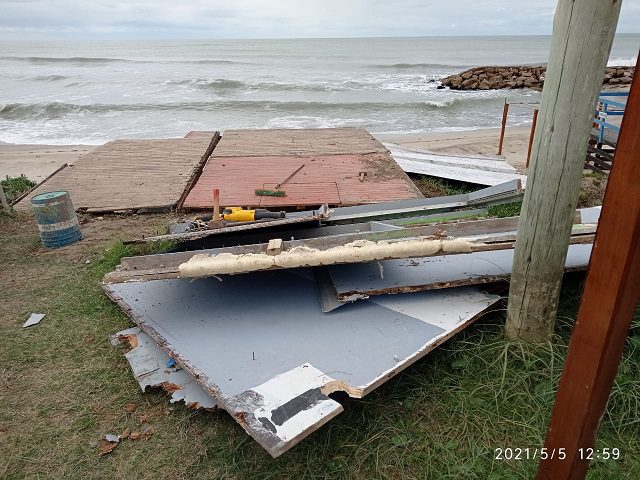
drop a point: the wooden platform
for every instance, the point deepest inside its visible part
(343, 166)
(149, 174)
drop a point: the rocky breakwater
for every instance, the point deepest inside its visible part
(493, 78)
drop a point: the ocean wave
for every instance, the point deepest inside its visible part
(107, 60)
(221, 84)
(48, 78)
(21, 111)
(409, 66)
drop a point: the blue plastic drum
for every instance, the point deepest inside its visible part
(56, 219)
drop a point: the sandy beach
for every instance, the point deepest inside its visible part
(39, 161)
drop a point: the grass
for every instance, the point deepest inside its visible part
(505, 210)
(438, 187)
(15, 186)
(63, 386)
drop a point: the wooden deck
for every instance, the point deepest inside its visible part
(313, 141)
(150, 174)
(341, 167)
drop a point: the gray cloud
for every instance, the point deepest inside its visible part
(281, 18)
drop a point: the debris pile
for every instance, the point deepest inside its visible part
(267, 321)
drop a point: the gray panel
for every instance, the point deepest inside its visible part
(360, 280)
(262, 347)
(275, 317)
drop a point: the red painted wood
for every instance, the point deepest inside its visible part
(332, 179)
(610, 297)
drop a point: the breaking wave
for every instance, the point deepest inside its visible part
(107, 60)
(20, 111)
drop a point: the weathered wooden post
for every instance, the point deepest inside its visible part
(582, 36)
(610, 297)
(505, 113)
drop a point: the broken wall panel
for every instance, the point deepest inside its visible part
(356, 281)
(150, 367)
(237, 353)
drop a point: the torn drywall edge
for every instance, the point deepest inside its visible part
(148, 364)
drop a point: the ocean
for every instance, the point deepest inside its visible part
(77, 92)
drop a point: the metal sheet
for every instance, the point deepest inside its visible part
(239, 336)
(478, 170)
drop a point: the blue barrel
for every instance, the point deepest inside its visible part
(56, 219)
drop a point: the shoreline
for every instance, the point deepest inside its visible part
(39, 161)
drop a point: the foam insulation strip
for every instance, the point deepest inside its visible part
(360, 251)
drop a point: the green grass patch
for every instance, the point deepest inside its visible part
(505, 210)
(15, 186)
(114, 254)
(439, 187)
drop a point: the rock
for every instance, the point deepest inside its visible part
(484, 85)
(466, 75)
(625, 80)
(614, 81)
(467, 83)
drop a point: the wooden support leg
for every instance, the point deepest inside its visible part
(610, 297)
(533, 131)
(505, 112)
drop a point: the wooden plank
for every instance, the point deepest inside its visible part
(610, 298)
(582, 37)
(130, 174)
(315, 141)
(325, 179)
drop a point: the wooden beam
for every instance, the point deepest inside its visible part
(610, 298)
(533, 131)
(582, 36)
(505, 112)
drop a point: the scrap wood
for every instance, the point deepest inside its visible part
(164, 266)
(273, 364)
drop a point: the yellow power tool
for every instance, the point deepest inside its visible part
(238, 214)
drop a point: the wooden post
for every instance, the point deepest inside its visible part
(216, 204)
(582, 36)
(610, 298)
(3, 199)
(533, 131)
(505, 112)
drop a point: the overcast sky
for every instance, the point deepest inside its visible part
(102, 19)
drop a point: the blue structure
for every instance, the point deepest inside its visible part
(607, 106)
(56, 219)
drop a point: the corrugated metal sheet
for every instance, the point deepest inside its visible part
(332, 179)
